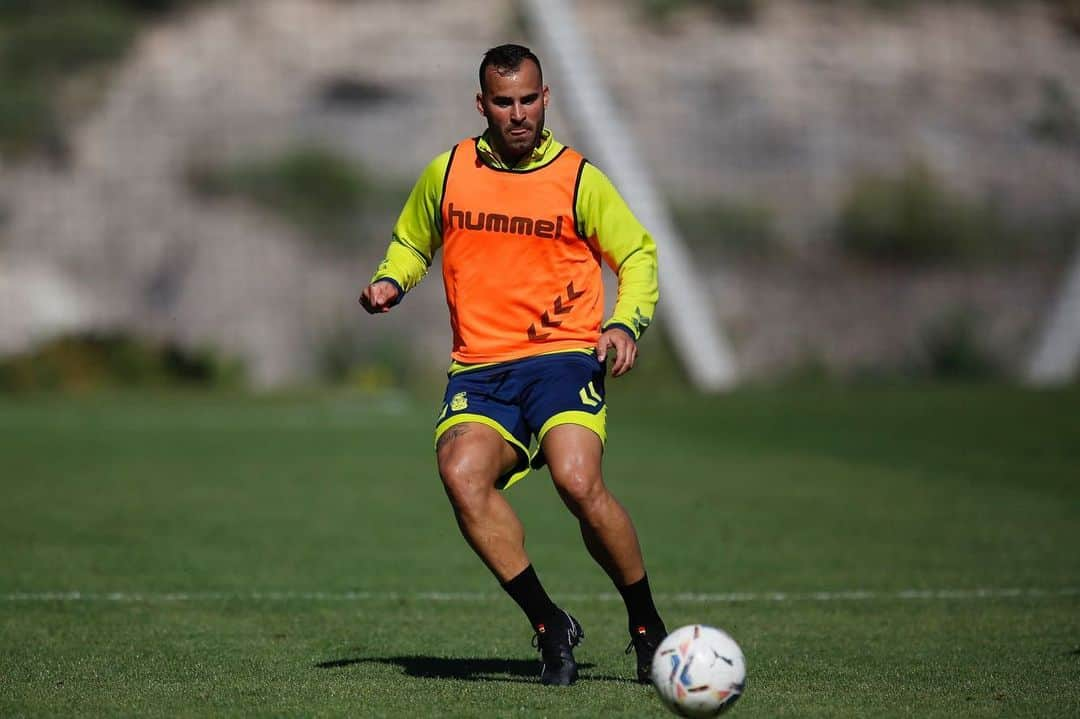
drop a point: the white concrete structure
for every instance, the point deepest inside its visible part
(685, 306)
(1057, 356)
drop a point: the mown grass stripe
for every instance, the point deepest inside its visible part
(685, 597)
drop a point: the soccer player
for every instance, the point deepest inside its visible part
(524, 222)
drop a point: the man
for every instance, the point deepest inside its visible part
(523, 223)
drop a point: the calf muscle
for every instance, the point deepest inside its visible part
(472, 457)
(574, 456)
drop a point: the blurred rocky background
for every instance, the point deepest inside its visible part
(199, 190)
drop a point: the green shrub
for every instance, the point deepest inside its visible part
(728, 227)
(1069, 14)
(901, 5)
(952, 350)
(43, 44)
(39, 49)
(317, 189)
(155, 7)
(347, 358)
(1058, 120)
(736, 11)
(742, 11)
(90, 361)
(26, 119)
(915, 219)
(48, 45)
(313, 187)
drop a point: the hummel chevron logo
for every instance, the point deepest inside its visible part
(546, 321)
(535, 336)
(560, 306)
(589, 396)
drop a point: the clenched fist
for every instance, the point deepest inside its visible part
(379, 296)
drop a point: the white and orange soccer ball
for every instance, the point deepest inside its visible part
(699, 671)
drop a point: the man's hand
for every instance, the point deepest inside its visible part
(625, 350)
(379, 296)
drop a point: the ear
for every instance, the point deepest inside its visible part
(546, 95)
(480, 104)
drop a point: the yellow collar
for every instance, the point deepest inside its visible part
(528, 162)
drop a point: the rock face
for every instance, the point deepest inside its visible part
(122, 231)
(779, 113)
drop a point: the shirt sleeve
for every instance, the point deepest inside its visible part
(626, 247)
(417, 233)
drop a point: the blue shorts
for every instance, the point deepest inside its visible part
(525, 398)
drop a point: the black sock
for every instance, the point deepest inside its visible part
(526, 590)
(640, 609)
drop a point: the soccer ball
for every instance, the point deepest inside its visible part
(698, 671)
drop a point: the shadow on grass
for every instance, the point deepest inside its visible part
(478, 669)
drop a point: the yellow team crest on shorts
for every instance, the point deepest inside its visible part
(458, 402)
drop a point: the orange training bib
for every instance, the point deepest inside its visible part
(519, 279)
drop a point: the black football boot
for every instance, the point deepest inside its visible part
(644, 640)
(556, 642)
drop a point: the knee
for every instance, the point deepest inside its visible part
(581, 488)
(466, 479)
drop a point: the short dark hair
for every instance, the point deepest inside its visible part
(507, 57)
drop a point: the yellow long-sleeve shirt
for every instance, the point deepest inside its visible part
(603, 219)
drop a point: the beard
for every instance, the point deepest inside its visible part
(516, 146)
(520, 142)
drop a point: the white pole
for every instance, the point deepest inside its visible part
(1058, 353)
(685, 305)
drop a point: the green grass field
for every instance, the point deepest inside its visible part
(208, 555)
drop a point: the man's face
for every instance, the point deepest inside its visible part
(513, 102)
